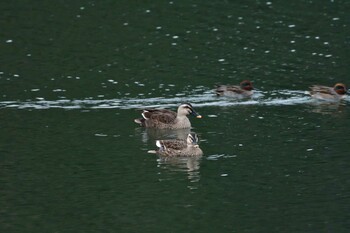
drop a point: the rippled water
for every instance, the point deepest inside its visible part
(276, 98)
(74, 75)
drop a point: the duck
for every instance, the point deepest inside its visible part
(244, 90)
(178, 147)
(335, 93)
(167, 119)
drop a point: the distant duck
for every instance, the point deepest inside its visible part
(244, 90)
(179, 147)
(335, 93)
(167, 119)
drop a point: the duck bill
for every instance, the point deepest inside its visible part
(196, 114)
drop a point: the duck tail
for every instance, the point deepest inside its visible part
(140, 121)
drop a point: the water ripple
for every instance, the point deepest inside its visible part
(275, 98)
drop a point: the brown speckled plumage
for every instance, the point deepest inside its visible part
(167, 119)
(244, 90)
(178, 147)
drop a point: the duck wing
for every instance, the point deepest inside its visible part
(176, 144)
(161, 115)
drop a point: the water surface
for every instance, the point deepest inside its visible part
(74, 75)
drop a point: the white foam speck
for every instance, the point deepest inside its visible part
(100, 135)
(58, 90)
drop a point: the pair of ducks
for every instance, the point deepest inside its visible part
(245, 89)
(167, 119)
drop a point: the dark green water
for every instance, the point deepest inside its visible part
(74, 75)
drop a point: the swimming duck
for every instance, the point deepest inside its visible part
(167, 119)
(179, 147)
(335, 93)
(244, 90)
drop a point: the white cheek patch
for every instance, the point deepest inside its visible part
(158, 144)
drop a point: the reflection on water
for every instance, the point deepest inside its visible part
(324, 107)
(189, 165)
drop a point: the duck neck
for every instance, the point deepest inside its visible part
(182, 122)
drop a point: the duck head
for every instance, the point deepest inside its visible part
(187, 109)
(246, 85)
(192, 139)
(340, 88)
